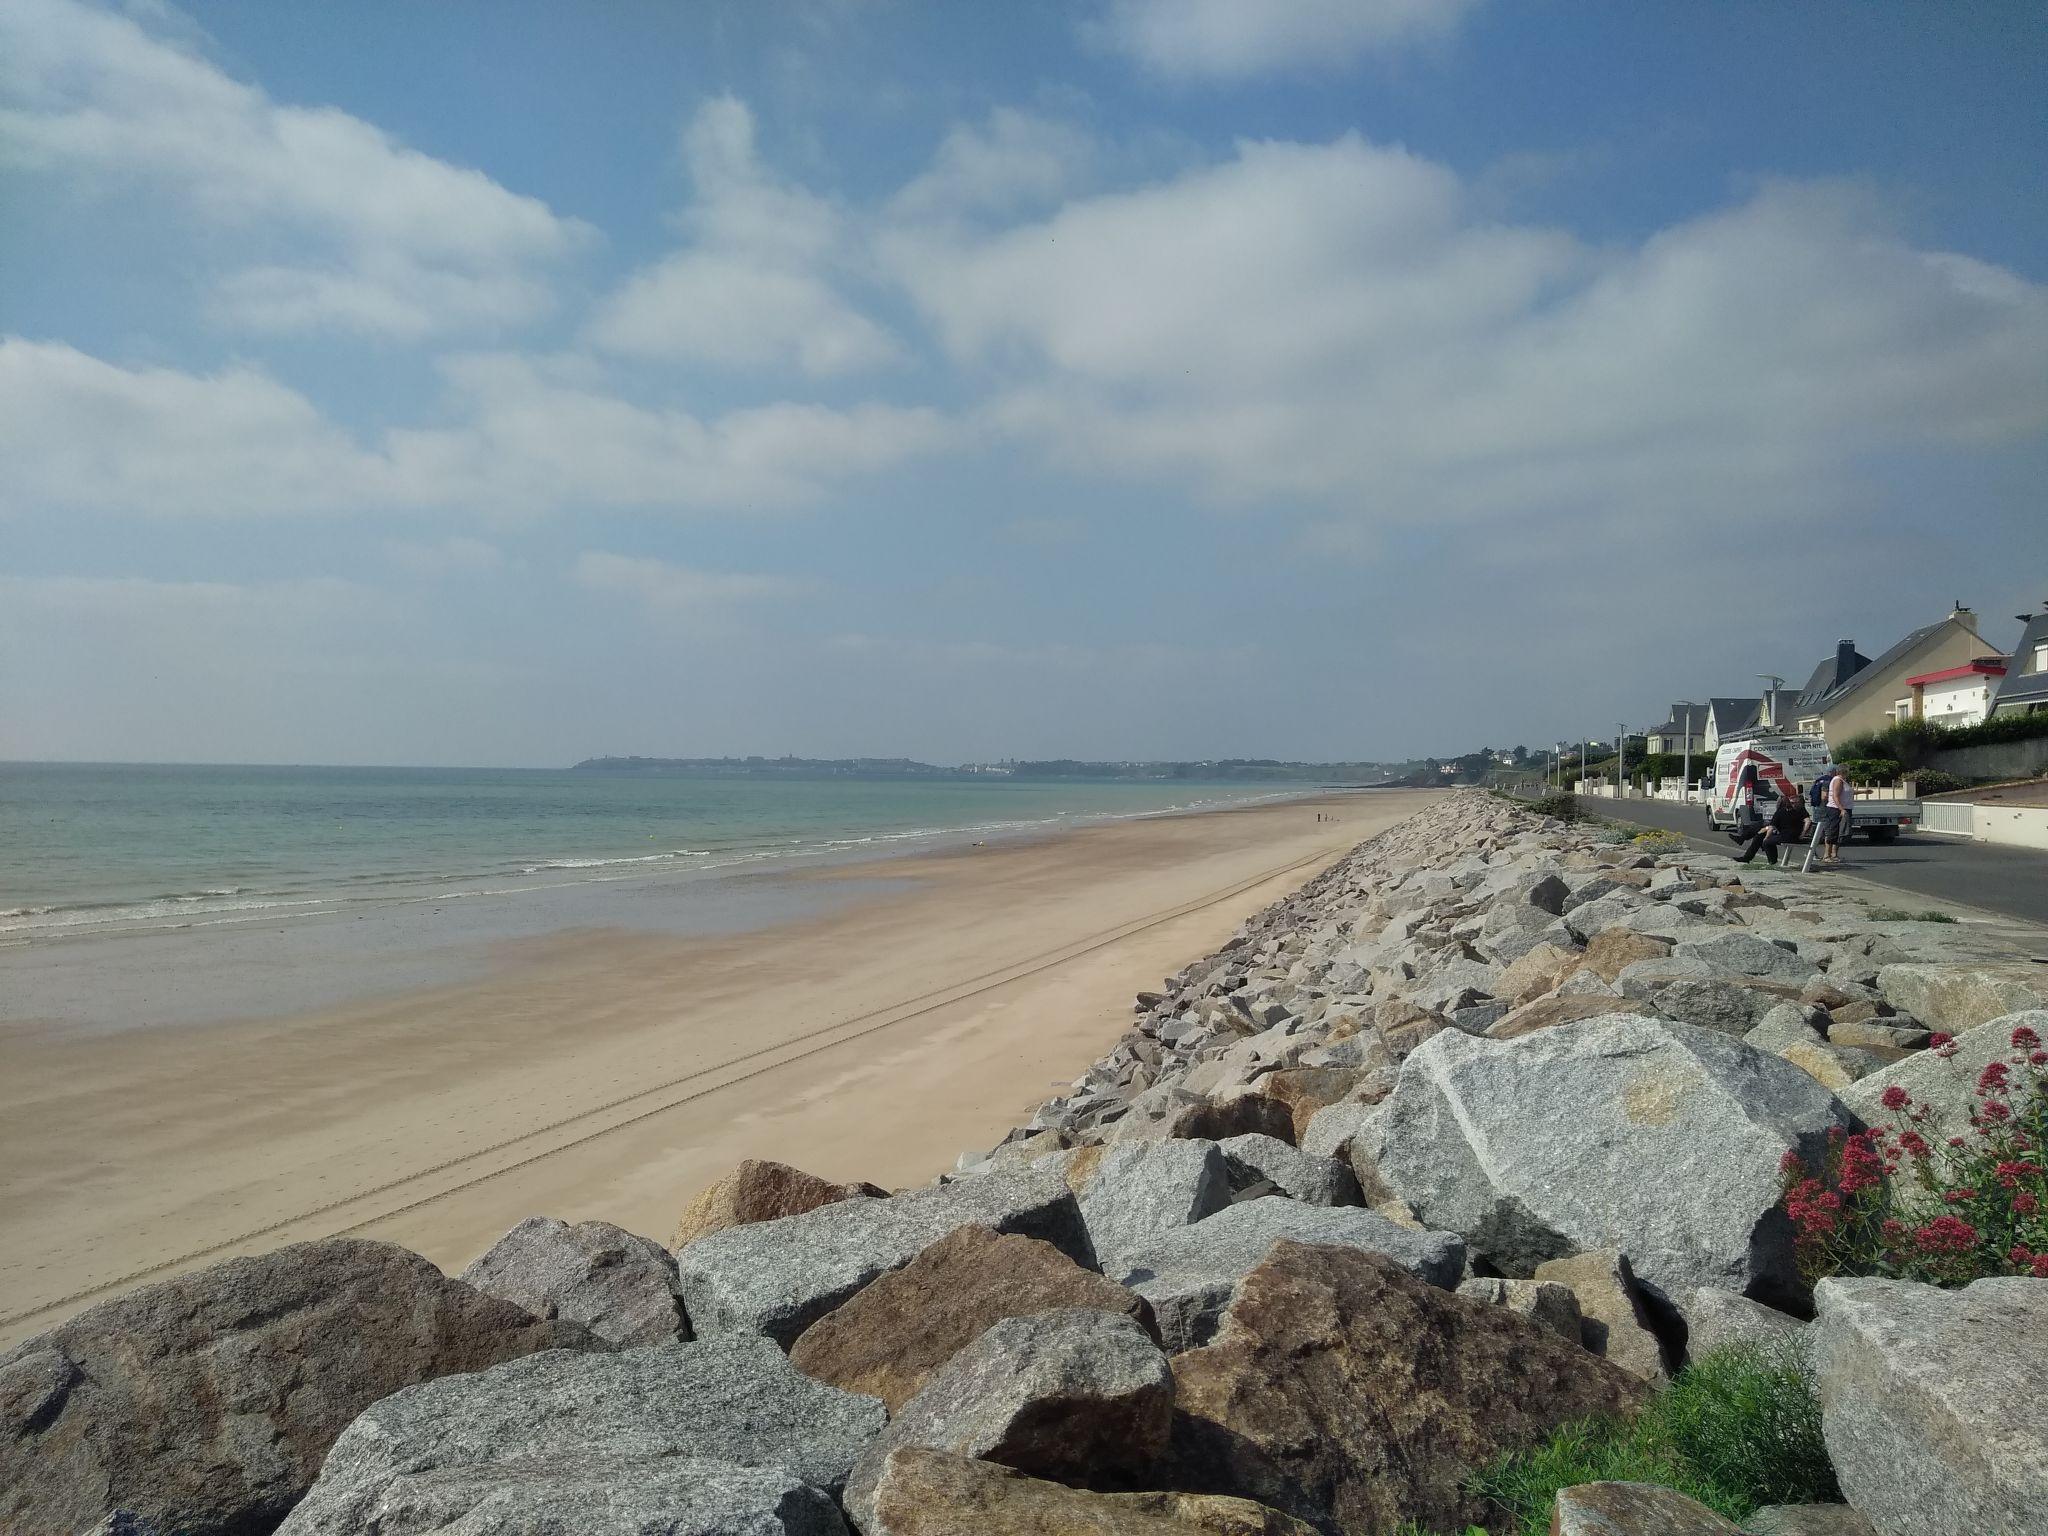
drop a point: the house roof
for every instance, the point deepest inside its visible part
(1983, 666)
(2021, 684)
(1833, 673)
(1684, 720)
(1811, 702)
(1732, 715)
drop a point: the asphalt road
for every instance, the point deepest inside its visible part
(2010, 881)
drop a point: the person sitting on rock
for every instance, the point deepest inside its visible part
(1784, 831)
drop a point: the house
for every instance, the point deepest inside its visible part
(1956, 695)
(1849, 694)
(1684, 731)
(1770, 711)
(2024, 688)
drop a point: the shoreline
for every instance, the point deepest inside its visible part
(610, 1074)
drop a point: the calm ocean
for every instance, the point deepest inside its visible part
(109, 848)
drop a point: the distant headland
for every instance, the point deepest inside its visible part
(1211, 771)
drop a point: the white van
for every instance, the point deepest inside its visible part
(1752, 771)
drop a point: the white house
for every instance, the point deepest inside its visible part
(1953, 695)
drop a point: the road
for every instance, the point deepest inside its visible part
(2012, 882)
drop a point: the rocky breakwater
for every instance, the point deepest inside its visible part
(1475, 1135)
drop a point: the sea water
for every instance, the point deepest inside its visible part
(91, 849)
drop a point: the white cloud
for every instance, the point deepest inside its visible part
(673, 590)
(1339, 324)
(1236, 38)
(78, 433)
(1016, 160)
(759, 285)
(378, 237)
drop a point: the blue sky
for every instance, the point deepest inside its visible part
(506, 382)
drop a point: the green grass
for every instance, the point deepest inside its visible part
(1901, 915)
(1737, 1430)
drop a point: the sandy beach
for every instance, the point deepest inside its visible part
(609, 1073)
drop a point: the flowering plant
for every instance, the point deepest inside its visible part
(1895, 1201)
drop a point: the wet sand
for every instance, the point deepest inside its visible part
(610, 1073)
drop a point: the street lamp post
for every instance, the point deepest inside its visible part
(1621, 762)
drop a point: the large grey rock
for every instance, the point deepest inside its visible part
(1807, 1520)
(1633, 1509)
(778, 1277)
(1297, 1174)
(1931, 1403)
(1954, 998)
(1541, 1301)
(587, 1494)
(726, 1400)
(1140, 1189)
(1614, 1323)
(1076, 1395)
(1331, 1131)
(1717, 1319)
(1656, 1138)
(1746, 954)
(203, 1405)
(619, 1286)
(1729, 1006)
(1785, 1025)
(1943, 1084)
(1188, 1276)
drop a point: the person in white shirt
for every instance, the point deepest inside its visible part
(1837, 826)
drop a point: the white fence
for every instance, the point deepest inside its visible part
(1951, 816)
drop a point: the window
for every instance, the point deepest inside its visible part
(2041, 657)
(1902, 709)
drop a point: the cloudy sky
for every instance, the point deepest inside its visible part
(503, 382)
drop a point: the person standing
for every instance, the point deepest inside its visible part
(1841, 807)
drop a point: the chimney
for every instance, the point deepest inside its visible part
(1845, 660)
(1967, 617)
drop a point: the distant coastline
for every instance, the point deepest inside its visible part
(1210, 771)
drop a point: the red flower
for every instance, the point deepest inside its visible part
(1946, 1234)
(2018, 1256)
(2010, 1173)
(1790, 1163)
(1942, 1043)
(1896, 1097)
(1915, 1144)
(2024, 1039)
(1958, 1196)
(1991, 1109)
(1860, 1166)
(2038, 1059)
(2025, 1203)
(1993, 1078)
(2040, 1266)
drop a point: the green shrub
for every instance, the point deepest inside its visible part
(1932, 781)
(1913, 743)
(1564, 806)
(1736, 1430)
(1870, 770)
(1901, 915)
(1748, 1419)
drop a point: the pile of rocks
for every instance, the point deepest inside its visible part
(1475, 1135)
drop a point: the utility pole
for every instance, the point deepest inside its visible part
(1685, 772)
(1772, 683)
(1621, 762)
